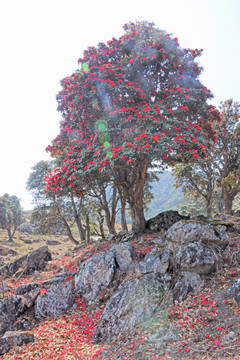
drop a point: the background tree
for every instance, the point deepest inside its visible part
(198, 180)
(227, 152)
(11, 214)
(69, 209)
(216, 179)
(136, 102)
(34, 182)
(53, 213)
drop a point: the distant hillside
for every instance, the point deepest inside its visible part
(166, 196)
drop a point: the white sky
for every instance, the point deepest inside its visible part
(41, 41)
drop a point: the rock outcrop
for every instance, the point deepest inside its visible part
(185, 232)
(134, 302)
(157, 261)
(184, 254)
(13, 338)
(27, 264)
(56, 300)
(164, 220)
(124, 255)
(189, 254)
(94, 275)
(26, 228)
(234, 291)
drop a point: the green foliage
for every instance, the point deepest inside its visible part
(34, 182)
(216, 179)
(191, 206)
(11, 214)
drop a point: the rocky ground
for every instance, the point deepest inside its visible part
(206, 325)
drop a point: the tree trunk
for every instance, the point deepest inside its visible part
(111, 228)
(115, 199)
(87, 229)
(67, 227)
(77, 218)
(10, 236)
(137, 214)
(123, 209)
(228, 200)
(69, 232)
(133, 185)
(123, 215)
(110, 215)
(209, 207)
(101, 228)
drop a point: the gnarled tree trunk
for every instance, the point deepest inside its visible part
(132, 183)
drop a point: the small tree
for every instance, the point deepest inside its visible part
(216, 178)
(53, 211)
(11, 214)
(136, 102)
(226, 151)
(34, 182)
(197, 180)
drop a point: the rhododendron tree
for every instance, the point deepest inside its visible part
(135, 102)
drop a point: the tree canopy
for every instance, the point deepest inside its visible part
(136, 101)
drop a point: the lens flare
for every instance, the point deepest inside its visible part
(101, 126)
(106, 144)
(85, 66)
(104, 137)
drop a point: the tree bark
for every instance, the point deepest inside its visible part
(87, 229)
(137, 215)
(209, 207)
(123, 211)
(67, 227)
(228, 200)
(133, 185)
(101, 228)
(69, 232)
(77, 218)
(10, 235)
(110, 215)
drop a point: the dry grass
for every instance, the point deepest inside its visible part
(24, 243)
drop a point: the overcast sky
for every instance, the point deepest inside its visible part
(41, 41)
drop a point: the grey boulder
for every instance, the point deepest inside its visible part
(134, 302)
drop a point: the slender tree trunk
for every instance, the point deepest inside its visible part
(123, 209)
(69, 232)
(123, 213)
(67, 227)
(109, 215)
(228, 200)
(87, 229)
(10, 235)
(110, 226)
(77, 218)
(115, 199)
(209, 207)
(101, 228)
